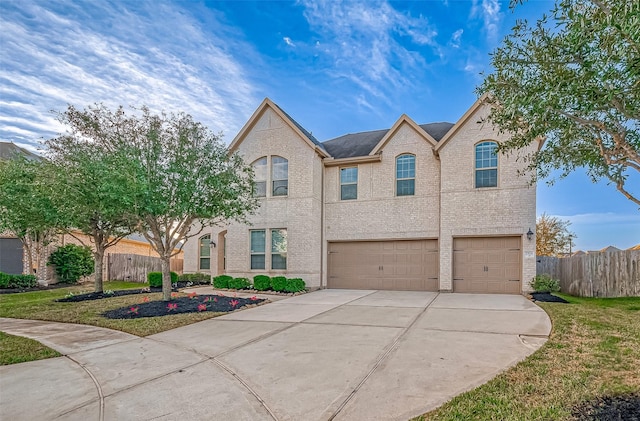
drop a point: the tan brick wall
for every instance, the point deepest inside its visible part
(509, 209)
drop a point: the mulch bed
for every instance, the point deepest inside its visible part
(610, 408)
(546, 297)
(38, 288)
(179, 305)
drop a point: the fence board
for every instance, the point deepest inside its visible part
(604, 274)
(135, 267)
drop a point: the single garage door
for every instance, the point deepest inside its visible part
(487, 265)
(394, 265)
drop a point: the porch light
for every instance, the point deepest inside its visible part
(529, 234)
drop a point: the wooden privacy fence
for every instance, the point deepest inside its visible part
(135, 267)
(604, 274)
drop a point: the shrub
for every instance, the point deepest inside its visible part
(294, 285)
(196, 278)
(222, 281)
(239, 283)
(261, 282)
(545, 283)
(17, 281)
(72, 262)
(155, 279)
(279, 283)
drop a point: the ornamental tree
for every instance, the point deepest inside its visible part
(553, 237)
(573, 79)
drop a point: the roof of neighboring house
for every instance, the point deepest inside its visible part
(636, 247)
(9, 150)
(610, 248)
(361, 144)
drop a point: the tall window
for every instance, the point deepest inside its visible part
(205, 252)
(405, 175)
(260, 177)
(486, 165)
(349, 183)
(279, 176)
(278, 249)
(258, 243)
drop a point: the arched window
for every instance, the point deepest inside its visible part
(405, 175)
(486, 165)
(279, 176)
(260, 177)
(205, 252)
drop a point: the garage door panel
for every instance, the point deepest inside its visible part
(393, 265)
(487, 265)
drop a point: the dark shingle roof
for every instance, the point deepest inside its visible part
(361, 144)
(9, 150)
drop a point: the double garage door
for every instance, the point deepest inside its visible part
(487, 265)
(410, 265)
(480, 265)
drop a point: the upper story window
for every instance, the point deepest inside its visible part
(279, 176)
(405, 175)
(486, 165)
(349, 183)
(260, 177)
(205, 252)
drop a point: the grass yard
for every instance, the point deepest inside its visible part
(41, 305)
(16, 349)
(593, 351)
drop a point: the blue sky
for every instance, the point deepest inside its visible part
(336, 67)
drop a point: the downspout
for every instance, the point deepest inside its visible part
(322, 223)
(437, 156)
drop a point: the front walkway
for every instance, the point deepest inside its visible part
(330, 354)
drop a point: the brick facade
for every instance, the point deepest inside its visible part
(445, 204)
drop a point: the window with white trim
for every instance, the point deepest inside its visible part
(486, 165)
(258, 248)
(279, 249)
(405, 175)
(349, 183)
(260, 177)
(205, 252)
(279, 176)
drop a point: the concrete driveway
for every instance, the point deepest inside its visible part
(330, 354)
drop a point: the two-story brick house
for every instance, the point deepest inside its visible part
(414, 207)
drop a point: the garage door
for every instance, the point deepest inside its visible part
(394, 265)
(11, 256)
(487, 265)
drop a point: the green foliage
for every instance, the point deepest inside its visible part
(239, 283)
(17, 281)
(572, 79)
(155, 279)
(195, 278)
(545, 283)
(72, 262)
(222, 281)
(294, 285)
(261, 282)
(279, 283)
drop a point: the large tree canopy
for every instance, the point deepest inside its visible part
(182, 172)
(574, 79)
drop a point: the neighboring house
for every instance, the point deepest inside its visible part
(415, 207)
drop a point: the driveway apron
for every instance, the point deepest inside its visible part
(330, 354)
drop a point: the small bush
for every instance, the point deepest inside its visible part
(294, 285)
(279, 283)
(545, 283)
(155, 279)
(222, 281)
(17, 281)
(239, 283)
(261, 282)
(72, 262)
(196, 278)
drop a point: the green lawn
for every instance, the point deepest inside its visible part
(593, 351)
(41, 305)
(16, 349)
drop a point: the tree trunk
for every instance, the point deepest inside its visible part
(99, 259)
(27, 248)
(166, 277)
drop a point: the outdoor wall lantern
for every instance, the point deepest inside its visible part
(212, 244)
(529, 234)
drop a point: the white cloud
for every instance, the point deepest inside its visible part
(489, 12)
(455, 38)
(288, 41)
(120, 54)
(360, 41)
(602, 218)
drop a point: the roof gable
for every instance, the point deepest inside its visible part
(460, 123)
(404, 119)
(306, 136)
